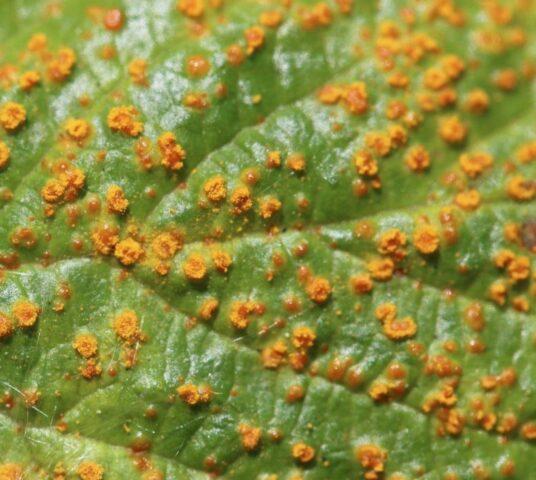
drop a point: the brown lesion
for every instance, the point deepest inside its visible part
(528, 234)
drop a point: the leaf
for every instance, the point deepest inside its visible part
(267, 240)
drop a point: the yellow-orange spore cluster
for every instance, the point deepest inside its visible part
(124, 119)
(90, 471)
(12, 116)
(172, 153)
(195, 394)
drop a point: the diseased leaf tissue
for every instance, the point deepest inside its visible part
(267, 239)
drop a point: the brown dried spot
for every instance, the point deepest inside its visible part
(528, 234)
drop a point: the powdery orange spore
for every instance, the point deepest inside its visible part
(272, 357)
(240, 313)
(61, 65)
(6, 326)
(316, 16)
(78, 129)
(241, 200)
(5, 153)
(126, 325)
(12, 116)
(124, 119)
(381, 269)
(86, 345)
(215, 189)
(191, 8)
(208, 308)
(426, 239)
(90, 471)
(222, 260)
(271, 18)
(365, 164)
(165, 245)
(468, 199)
(29, 80)
(26, 313)
(116, 200)
(105, 239)
(477, 101)
(269, 206)
(11, 471)
(391, 241)
(128, 251)
(385, 311)
(399, 328)
(452, 130)
(354, 98)
(194, 267)
(255, 38)
(473, 164)
(372, 458)
(417, 159)
(302, 452)
(194, 394)
(361, 283)
(249, 436)
(173, 155)
(91, 369)
(318, 289)
(303, 337)
(137, 69)
(521, 189)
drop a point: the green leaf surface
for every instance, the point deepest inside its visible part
(336, 281)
